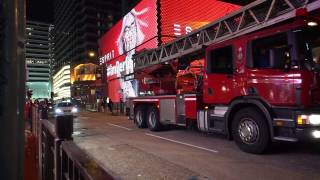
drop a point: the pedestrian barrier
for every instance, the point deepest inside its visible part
(118, 109)
(75, 164)
(30, 157)
(91, 107)
(31, 147)
(59, 157)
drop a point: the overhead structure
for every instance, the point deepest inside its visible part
(239, 2)
(255, 16)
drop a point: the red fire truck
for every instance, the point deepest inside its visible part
(253, 75)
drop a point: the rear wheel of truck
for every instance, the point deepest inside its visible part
(140, 117)
(250, 131)
(153, 119)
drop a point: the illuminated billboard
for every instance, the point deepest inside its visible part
(137, 30)
(141, 29)
(180, 17)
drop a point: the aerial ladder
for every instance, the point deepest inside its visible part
(233, 93)
(255, 16)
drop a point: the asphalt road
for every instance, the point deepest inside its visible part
(133, 153)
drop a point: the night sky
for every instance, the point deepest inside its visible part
(40, 10)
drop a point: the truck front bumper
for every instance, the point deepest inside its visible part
(308, 124)
(297, 125)
(308, 133)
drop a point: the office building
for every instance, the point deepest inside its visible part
(78, 26)
(38, 58)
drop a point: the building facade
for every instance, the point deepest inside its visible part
(62, 84)
(38, 58)
(78, 26)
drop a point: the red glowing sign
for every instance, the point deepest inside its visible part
(180, 17)
(139, 30)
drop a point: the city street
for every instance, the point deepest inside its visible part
(132, 153)
(187, 70)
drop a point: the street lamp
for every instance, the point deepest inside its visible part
(92, 54)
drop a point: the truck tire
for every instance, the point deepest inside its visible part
(153, 119)
(250, 131)
(140, 117)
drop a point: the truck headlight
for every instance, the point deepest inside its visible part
(316, 134)
(312, 119)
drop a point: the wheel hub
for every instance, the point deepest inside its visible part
(152, 119)
(248, 131)
(139, 117)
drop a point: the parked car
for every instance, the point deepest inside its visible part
(65, 108)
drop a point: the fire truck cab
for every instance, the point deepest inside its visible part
(264, 86)
(255, 88)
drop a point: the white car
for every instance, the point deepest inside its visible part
(65, 108)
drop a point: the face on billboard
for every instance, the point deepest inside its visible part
(130, 37)
(180, 17)
(131, 33)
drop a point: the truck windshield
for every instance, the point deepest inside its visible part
(271, 52)
(308, 48)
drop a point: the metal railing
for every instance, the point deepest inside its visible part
(76, 165)
(59, 157)
(47, 151)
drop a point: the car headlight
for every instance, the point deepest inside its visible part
(74, 110)
(58, 111)
(312, 119)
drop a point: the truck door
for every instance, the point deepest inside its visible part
(270, 74)
(219, 82)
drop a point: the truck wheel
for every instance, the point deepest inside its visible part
(153, 119)
(140, 118)
(250, 131)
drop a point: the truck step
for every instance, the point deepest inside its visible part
(281, 138)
